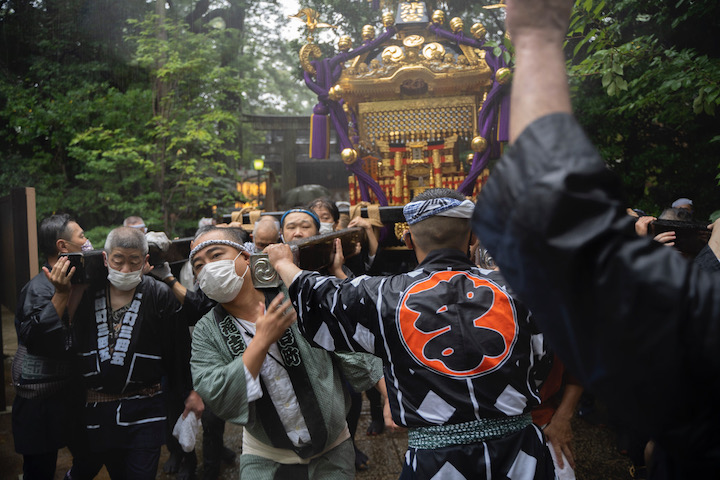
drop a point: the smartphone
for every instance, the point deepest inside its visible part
(77, 260)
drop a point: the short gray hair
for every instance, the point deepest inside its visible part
(126, 237)
(268, 219)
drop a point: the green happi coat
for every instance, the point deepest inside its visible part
(219, 378)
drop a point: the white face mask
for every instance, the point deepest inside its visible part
(124, 281)
(219, 280)
(326, 227)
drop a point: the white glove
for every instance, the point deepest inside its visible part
(159, 239)
(161, 272)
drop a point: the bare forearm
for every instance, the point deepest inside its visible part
(539, 86)
(287, 271)
(538, 28)
(568, 404)
(179, 291)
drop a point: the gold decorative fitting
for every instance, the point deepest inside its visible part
(456, 24)
(345, 43)
(479, 144)
(412, 41)
(335, 93)
(311, 50)
(433, 51)
(438, 17)
(388, 19)
(349, 156)
(478, 31)
(503, 76)
(311, 21)
(497, 5)
(392, 54)
(368, 32)
(400, 229)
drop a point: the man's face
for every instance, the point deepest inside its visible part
(264, 235)
(214, 253)
(324, 215)
(75, 238)
(298, 225)
(126, 259)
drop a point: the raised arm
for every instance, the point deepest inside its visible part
(540, 87)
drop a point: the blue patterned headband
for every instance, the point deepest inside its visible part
(301, 210)
(444, 207)
(207, 243)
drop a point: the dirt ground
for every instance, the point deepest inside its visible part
(596, 454)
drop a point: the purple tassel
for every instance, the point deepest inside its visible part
(503, 133)
(320, 132)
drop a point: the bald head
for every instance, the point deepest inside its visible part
(266, 232)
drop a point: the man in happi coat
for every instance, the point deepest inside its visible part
(253, 367)
(460, 352)
(634, 321)
(129, 337)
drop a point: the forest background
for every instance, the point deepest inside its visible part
(110, 108)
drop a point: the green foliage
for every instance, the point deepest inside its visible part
(130, 118)
(646, 88)
(97, 235)
(173, 159)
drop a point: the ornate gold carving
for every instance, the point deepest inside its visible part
(392, 54)
(433, 51)
(400, 229)
(368, 32)
(497, 5)
(311, 21)
(388, 19)
(307, 52)
(456, 24)
(412, 41)
(345, 43)
(432, 115)
(335, 93)
(412, 11)
(438, 17)
(478, 31)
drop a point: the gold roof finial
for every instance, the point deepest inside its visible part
(311, 21)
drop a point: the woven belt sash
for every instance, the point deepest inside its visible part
(439, 436)
(93, 396)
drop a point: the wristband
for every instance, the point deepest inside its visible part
(172, 282)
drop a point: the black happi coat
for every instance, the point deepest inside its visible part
(636, 322)
(153, 346)
(461, 347)
(47, 395)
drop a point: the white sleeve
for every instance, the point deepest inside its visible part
(253, 390)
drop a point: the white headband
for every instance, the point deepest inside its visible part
(443, 207)
(207, 243)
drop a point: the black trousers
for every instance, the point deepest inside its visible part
(213, 431)
(40, 466)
